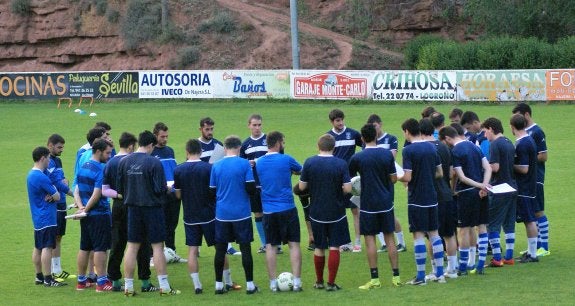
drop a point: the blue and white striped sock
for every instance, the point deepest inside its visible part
(482, 242)
(420, 256)
(495, 242)
(437, 246)
(543, 238)
(463, 257)
(509, 245)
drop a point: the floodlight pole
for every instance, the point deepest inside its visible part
(294, 35)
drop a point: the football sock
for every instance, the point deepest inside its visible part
(102, 280)
(56, 266)
(129, 284)
(40, 276)
(117, 283)
(250, 285)
(543, 225)
(219, 260)
(319, 263)
(437, 245)
(451, 263)
(145, 283)
(297, 282)
(482, 241)
(400, 239)
(164, 284)
(196, 279)
(357, 241)
(532, 244)
(509, 245)
(229, 246)
(227, 276)
(420, 256)
(48, 279)
(273, 283)
(380, 238)
(495, 242)
(219, 285)
(247, 261)
(82, 278)
(332, 265)
(463, 257)
(374, 273)
(395, 272)
(471, 259)
(261, 232)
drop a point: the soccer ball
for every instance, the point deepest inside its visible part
(356, 185)
(169, 254)
(285, 281)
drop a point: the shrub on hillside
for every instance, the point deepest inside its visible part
(564, 53)
(222, 22)
(142, 22)
(186, 57)
(413, 47)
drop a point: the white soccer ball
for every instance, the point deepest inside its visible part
(93, 115)
(285, 281)
(169, 254)
(356, 185)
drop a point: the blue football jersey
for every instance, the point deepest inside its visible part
(274, 172)
(39, 186)
(345, 142)
(421, 158)
(229, 177)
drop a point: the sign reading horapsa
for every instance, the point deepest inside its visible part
(414, 85)
(176, 84)
(560, 84)
(330, 84)
(252, 84)
(501, 85)
(33, 85)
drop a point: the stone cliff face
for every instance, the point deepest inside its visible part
(64, 35)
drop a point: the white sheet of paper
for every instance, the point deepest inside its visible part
(501, 188)
(170, 184)
(399, 170)
(355, 200)
(76, 216)
(218, 154)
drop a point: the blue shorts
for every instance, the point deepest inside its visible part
(45, 238)
(195, 232)
(373, 224)
(238, 231)
(96, 233)
(502, 212)
(540, 198)
(526, 208)
(447, 217)
(469, 208)
(422, 219)
(282, 227)
(326, 235)
(146, 224)
(61, 221)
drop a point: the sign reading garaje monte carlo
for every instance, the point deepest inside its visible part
(33, 85)
(414, 85)
(104, 84)
(251, 84)
(330, 84)
(501, 85)
(560, 84)
(176, 84)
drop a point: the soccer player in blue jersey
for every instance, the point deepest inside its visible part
(473, 174)
(376, 167)
(88, 145)
(57, 178)
(281, 221)
(470, 121)
(446, 207)
(455, 115)
(525, 166)
(346, 139)
(142, 183)
(192, 186)
(42, 196)
(212, 151)
(85, 152)
(253, 148)
(538, 136)
(120, 221)
(171, 204)
(96, 234)
(388, 142)
(328, 181)
(502, 206)
(232, 181)
(422, 166)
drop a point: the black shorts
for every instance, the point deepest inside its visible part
(371, 224)
(96, 233)
(282, 227)
(146, 224)
(195, 232)
(469, 206)
(45, 238)
(447, 216)
(347, 201)
(422, 219)
(256, 202)
(540, 199)
(502, 212)
(526, 208)
(326, 235)
(238, 231)
(61, 221)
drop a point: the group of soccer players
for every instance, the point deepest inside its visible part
(452, 174)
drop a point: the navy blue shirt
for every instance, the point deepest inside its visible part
(111, 172)
(208, 149)
(229, 177)
(526, 155)
(253, 148)
(142, 180)
(502, 152)
(468, 157)
(325, 176)
(345, 142)
(192, 178)
(421, 158)
(442, 185)
(374, 165)
(539, 137)
(167, 158)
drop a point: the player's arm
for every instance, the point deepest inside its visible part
(438, 172)
(77, 199)
(542, 157)
(109, 192)
(494, 167)
(346, 187)
(96, 195)
(464, 179)
(302, 187)
(486, 172)
(406, 178)
(393, 178)
(55, 197)
(521, 169)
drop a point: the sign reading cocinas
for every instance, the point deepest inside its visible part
(33, 85)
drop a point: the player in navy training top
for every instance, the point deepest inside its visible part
(473, 174)
(42, 197)
(252, 148)
(232, 182)
(96, 227)
(281, 221)
(525, 167)
(346, 139)
(376, 166)
(422, 166)
(56, 174)
(470, 121)
(171, 204)
(327, 178)
(538, 136)
(502, 206)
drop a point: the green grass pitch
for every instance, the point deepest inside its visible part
(28, 124)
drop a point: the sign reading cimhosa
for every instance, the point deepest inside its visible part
(330, 84)
(176, 84)
(414, 85)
